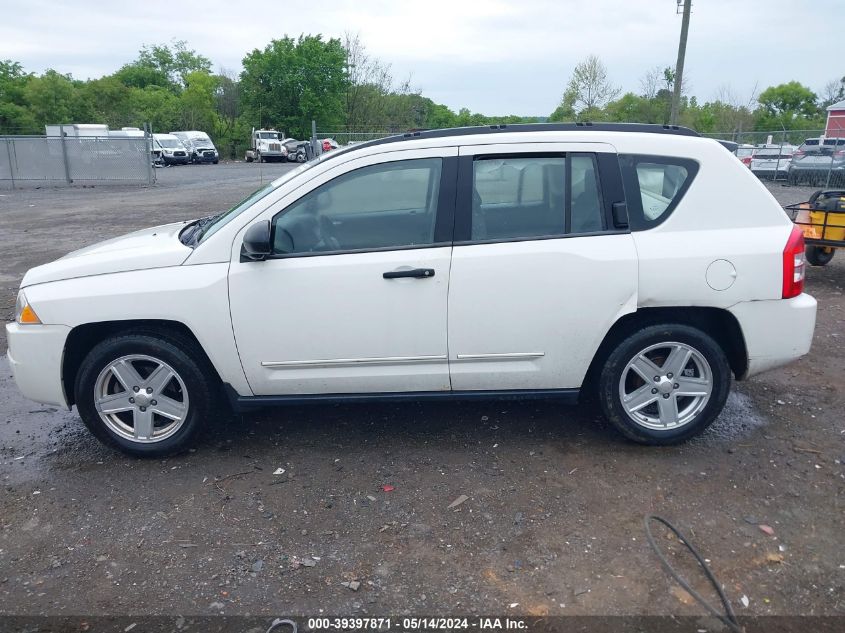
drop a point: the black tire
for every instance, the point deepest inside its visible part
(817, 256)
(180, 354)
(617, 361)
(216, 161)
(248, 158)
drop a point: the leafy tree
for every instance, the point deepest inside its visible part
(163, 66)
(291, 82)
(15, 117)
(589, 90)
(56, 98)
(787, 106)
(197, 101)
(157, 106)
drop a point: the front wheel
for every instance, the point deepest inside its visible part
(144, 394)
(819, 255)
(664, 384)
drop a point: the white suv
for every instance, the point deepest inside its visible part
(642, 263)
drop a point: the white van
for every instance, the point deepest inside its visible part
(199, 145)
(173, 152)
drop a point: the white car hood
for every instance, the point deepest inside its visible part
(157, 247)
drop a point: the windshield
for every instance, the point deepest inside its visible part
(224, 218)
(272, 135)
(169, 142)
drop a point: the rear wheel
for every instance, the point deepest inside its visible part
(144, 394)
(664, 384)
(819, 255)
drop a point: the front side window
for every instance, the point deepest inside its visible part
(390, 205)
(523, 197)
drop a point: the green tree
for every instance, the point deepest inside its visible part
(788, 106)
(57, 98)
(197, 101)
(291, 82)
(15, 117)
(589, 90)
(163, 66)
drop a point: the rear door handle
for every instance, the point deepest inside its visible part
(420, 273)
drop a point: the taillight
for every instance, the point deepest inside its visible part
(793, 264)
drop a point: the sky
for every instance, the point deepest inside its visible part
(496, 57)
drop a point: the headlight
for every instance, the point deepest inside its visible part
(168, 151)
(24, 314)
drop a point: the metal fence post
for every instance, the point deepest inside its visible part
(11, 166)
(148, 145)
(64, 155)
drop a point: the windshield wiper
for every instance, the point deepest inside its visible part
(193, 231)
(202, 224)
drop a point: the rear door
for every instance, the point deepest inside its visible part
(540, 268)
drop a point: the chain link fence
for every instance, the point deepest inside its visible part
(347, 138)
(32, 160)
(795, 157)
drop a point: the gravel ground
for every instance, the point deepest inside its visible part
(551, 524)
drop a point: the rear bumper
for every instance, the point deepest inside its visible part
(776, 332)
(35, 356)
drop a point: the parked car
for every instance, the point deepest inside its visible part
(329, 144)
(772, 161)
(743, 153)
(291, 145)
(199, 145)
(173, 152)
(818, 161)
(570, 260)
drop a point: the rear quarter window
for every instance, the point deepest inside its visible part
(654, 185)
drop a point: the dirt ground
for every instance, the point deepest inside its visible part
(552, 523)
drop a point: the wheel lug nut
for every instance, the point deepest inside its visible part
(665, 395)
(132, 400)
(657, 379)
(150, 389)
(669, 375)
(154, 403)
(145, 408)
(677, 386)
(136, 389)
(654, 391)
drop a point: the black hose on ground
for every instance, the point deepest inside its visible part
(728, 617)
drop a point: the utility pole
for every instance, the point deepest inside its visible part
(679, 66)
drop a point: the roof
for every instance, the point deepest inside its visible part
(839, 105)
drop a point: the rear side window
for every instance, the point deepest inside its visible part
(654, 185)
(524, 197)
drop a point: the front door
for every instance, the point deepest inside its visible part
(353, 298)
(540, 268)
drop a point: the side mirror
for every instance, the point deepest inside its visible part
(256, 245)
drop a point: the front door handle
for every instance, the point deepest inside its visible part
(420, 273)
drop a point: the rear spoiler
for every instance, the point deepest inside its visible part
(729, 145)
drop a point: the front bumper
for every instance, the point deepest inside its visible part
(35, 356)
(201, 157)
(776, 332)
(175, 160)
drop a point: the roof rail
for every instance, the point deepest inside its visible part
(650, 128)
